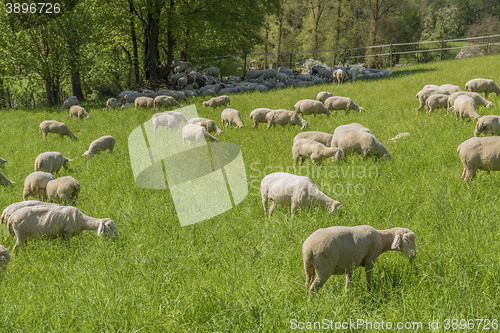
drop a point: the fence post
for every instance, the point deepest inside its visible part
(488, 45)
(391, 54)
(441, 51)
(245, 66)
(345, 51)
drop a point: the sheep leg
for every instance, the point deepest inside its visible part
(309, 270)
(322, 276)
(271, 209)
(464, 174)
(368, 271)
(348, 276)
(68, 199)
(302, 161)
(295, 160)
(264, 204)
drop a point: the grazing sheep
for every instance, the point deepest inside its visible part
(78, 112)
(323, 95)
(165, 101)
(178, 116)
(214, 102)
(291, 190)
(5, 181)
(285, 117)
(177, 95)
(310, 106)
(324, 138)
(322, 72)
(465, 106)
(165, 120)
(51, 162)
(66, 188)
(4, 257)
(423, 94)
(126, 106)
(144, 101)
(340, 250)
(112, 103)
(69, 103)
(342, 103)
(352, 73)
(149, 93)
(131, 97)
(212, 71)
(123, 93)
(338, 74)
(259, 116)
(482, 85)
(281, 77)
(353, 140)
(209, 124)
(35, 184)
(436, 101)
(103, 143)
(45, 222)
(230, 117)
(357, 126)
(285, 70)
(488, 125)
(450, 88)
(52, 126)
(196, 133)
(478, 99)
(316, 151)
(9, 210)
(479, 153)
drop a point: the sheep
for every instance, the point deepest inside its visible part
(322, 71)
(5, 181)
(103, 143)
(353, 140)
(310, 106)
(214, 102)
(126, 106)
(230, 117)
(123, 93)
(342, 103)
(423, 94)
(78, 112)
(324, 138)
(465, 106)
(196, 133)
(51, 162)
(149, 93)
(436, 101)
(285, 117)
(178, 116)
(44, 222)
(259, 116)
(285, 70)
(66, 188)
(209, 124)
(479, 153)
(4, 257)
(482, 85)
(144, 101)
(112, 103)
(356, 126)
(254, 73)
(52, 126)
(450, 88)
(316, 151)
(177, 95)
(212, 71)
(488, 125)
(3, 162)
(165, 101)
(35, 184)
(9, 210)
(179, 66)
(281, 77)
(478, 99)
(165, 120)
(352, 73)
(323, 95)
(69, 103)
(340, 250)
(338, 74)
(296, 191)
(130, 97)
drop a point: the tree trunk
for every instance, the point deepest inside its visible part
(48, 91)
(135, 60)
(145, 49)
(280, 31)
(154, 26)
(337, 28)
(2, 94)
(266, 45)
(184, 51)
(74, 63)
(170, 36)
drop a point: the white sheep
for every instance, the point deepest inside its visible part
(166, 120)
(143, 101)
(66, 188)
(177, 95)
(3, 162)
(310, 106)
(212, 71)
(451, 88)
(78, 112)
(5, 181)
(45, 222)
(103, 143)
(231, 117)
(165, 101)
(323, 95)
(214, 102)
(488, 125)
(479, 153)
(149, 93)
(126, 92)
(259, 116)
(52, 126)
(296, 191)
(353, 140)
(465, 106)
(342, 103)
(436, 101)
(478, 99)
(4, 257)
(352, 72)
(51, 162)
(10, 209)
(209, 124)
(356, 126)
(112, 103)
(285, 117)
(196, 133)
(482, 85)
(69, 103)
(35, 184)
(324, 138)
(316, 151)
(339, 74)
(178, 116)
(423, 94)
(340, 250)
(130, 97)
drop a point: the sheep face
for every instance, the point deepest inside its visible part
(335, 206)
(107, 227)
(65, 163)
(405, 243)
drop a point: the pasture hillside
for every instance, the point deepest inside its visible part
(241, 272)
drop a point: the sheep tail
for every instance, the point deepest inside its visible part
(308, 267)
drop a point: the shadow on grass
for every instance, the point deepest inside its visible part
(412, 71)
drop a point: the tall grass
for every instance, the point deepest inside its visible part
(239, 271)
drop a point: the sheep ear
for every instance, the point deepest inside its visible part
(100, 230)
(396, 242)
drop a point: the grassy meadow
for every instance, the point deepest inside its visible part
(241, 272)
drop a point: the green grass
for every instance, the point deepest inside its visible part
(240, 272)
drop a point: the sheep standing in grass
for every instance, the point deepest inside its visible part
(78, 112)
(231, 117)
(69, 103)
(177, 95)
(10, 209)
(309, 106)
(316, 151)
(52, 126)
(356, 126)
(352, 140)
(214, 102)
(209, 124)
(340, 250)
(339, 74)
(131, 97)
(488, 125)
(4, 257)
(285, 117)
(450, 88)
(479, 153)
(144, 102)
(165, 101)
(51, 162)
(259, 116)
(45, 222)
(196, 133)
(436, 101)
(478, 99)
(103, 143)
(342, 103)
(166, 120)
(323, 138)
(465, 106)
(65, 188)
(112, 103)
(423, 94)
(5, 181)
(178, 116)
(482, 85)
(35, 184)
(296, 191)
(323, 95)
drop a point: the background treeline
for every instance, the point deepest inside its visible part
(100, 47)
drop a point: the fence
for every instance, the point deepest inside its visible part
(388, 55)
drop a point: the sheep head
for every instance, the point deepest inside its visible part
(108, 227)
(404, 241)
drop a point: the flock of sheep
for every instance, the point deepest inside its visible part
(334, 250)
